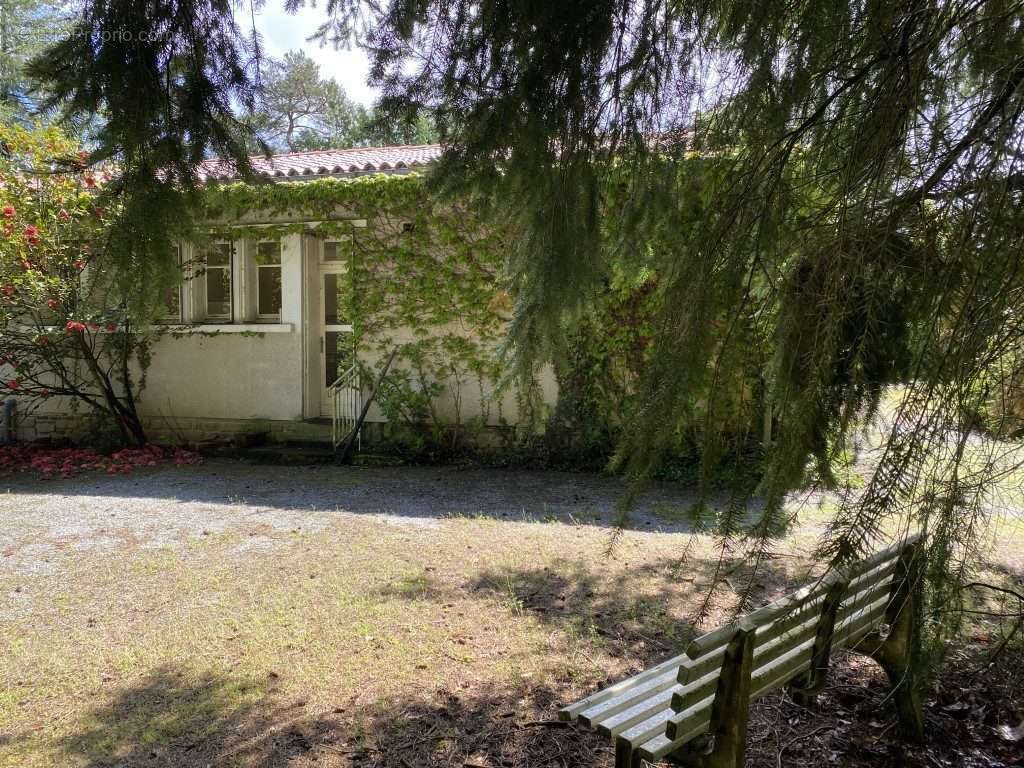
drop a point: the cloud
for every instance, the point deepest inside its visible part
(282, 32)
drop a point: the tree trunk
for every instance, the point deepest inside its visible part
(125, 415)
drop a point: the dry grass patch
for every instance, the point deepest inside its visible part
(164, 649)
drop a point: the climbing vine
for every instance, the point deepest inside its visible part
(423, 275)
(429, 276)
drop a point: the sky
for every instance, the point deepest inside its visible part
(284, 32)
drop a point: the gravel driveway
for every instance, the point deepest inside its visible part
(47, 520)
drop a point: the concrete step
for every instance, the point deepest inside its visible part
(311, 431)
(291, 452)
(307, 453)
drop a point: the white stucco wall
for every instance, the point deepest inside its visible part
(272, 370)
(230, 375)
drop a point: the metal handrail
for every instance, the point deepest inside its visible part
(348, 372)
(346, 395)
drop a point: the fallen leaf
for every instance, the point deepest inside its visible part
(1009, 733)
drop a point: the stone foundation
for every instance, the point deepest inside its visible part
(179, 431)
(195, 431)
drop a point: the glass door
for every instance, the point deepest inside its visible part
(336, 350)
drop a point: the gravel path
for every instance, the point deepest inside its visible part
(47, 520)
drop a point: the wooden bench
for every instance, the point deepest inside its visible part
(693, 708)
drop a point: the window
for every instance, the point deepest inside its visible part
(334, 251)
(217, 259)
(268, 279)
(334, 299)
(172, 300)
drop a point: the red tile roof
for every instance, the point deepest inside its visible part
(329, 162)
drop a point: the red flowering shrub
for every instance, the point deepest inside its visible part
(49, 462)
(66, 329)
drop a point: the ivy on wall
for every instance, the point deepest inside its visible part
(424, 275)
(430, 276)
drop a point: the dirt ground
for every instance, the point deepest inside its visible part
(231, 614)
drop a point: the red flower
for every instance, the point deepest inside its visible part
(111, 327)
(31, 235)
(74, 327)
(9, 211)
(8, 290)
(78, 264)
(63, 214)
(90, 181)
(14, 384)
(52, 303)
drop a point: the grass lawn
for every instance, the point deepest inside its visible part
(216, 625)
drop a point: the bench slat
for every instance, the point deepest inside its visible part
(715, 639)
(655, 749)
(660, 746)
(860, 623)
(865, 598)
(785, 667)
(793, 657)
(572, 711)
(646, 730)
(695, 692)
(627, 718)
(605, 709)
(812, 608)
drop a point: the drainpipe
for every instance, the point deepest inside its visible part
(7, 422)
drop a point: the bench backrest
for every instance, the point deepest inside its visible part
(840, 609)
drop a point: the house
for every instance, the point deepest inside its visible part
(257, 340)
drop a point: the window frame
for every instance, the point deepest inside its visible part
(338, 241)
(276, 316)
(229, 317)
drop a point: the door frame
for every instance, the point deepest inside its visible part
(325, 269)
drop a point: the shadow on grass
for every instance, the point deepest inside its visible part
(645, 612)
(174, 718)
(217, 722)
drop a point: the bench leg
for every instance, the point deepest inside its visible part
(897, 653)
(732, 703)
(692, 755)
(623, 754)
(806, 688)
